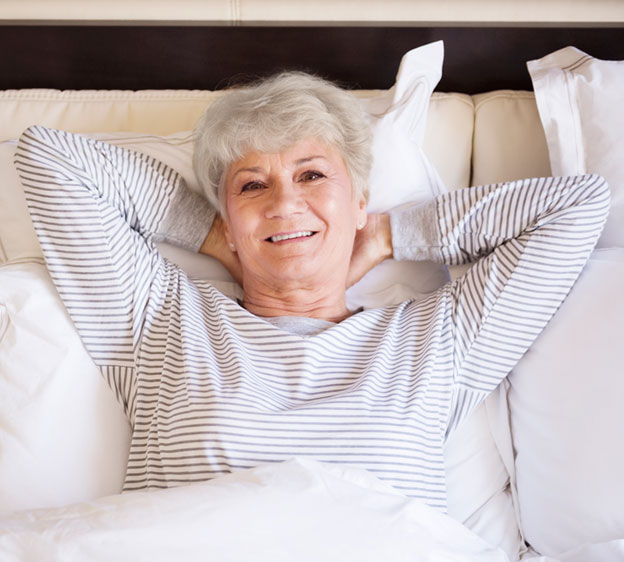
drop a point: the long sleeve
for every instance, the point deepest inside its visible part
(530, 240)
(97, 210)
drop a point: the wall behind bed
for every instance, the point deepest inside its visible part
(246, 11)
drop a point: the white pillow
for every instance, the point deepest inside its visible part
(566, 400)
(63, 435)
(402, 174)
(477, 479)
(580, 102)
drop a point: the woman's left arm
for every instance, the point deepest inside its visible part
(530, 240)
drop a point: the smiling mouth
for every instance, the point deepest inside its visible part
(291, 236)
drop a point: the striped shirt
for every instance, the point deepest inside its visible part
(209, 387)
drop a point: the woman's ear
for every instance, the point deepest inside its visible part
(228, 236)
(362, 214)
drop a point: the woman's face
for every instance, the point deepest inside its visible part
(292, 216)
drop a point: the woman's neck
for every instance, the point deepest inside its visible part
(323, 303)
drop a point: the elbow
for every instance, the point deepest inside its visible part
(602, 186)
(600, 193)
(598, 204)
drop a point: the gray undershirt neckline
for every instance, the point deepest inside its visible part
(300, 325)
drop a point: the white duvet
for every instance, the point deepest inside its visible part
(298, 510)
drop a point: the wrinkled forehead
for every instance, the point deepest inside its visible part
(299, 151)
(266, 143)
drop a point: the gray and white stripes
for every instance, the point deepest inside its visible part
(210, 388)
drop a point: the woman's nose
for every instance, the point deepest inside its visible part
(286, 199)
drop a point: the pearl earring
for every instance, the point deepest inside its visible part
(360, 226)
(231, 245)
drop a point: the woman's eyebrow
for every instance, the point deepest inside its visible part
(298, 162)
(253, 169)
(307, 159)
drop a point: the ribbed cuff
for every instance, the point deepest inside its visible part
(415, 232)
(188, 219)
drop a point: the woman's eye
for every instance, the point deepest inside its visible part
(251, 186)
(311, 175)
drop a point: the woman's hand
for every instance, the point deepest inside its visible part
(373, 244)
(215, 245)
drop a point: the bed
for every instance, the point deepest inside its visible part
(534, 473)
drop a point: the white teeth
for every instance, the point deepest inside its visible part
(281, 237)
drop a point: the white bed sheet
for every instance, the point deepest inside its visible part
(296, 510)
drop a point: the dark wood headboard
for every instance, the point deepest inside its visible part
(477, 59)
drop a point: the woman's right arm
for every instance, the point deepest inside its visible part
(97, 210)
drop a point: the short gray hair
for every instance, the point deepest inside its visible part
(274, 114)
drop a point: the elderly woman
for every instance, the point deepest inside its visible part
(211, 385)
